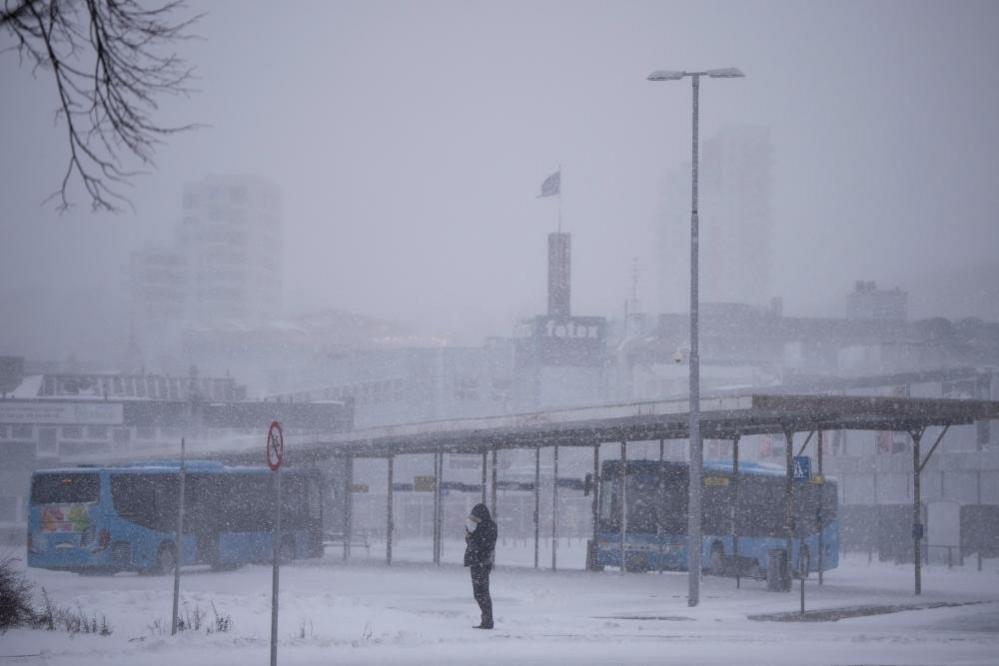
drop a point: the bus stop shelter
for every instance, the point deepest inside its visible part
(722, 418)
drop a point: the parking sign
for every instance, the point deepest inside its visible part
(801, 468)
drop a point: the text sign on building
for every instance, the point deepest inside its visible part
(574, 341)
(424, 484)
(68, 413)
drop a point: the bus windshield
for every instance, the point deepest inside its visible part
(65, 488)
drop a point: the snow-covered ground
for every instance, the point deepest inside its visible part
(418, 613)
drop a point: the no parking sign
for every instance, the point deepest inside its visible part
(275, 446)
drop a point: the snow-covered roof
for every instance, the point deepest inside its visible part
(28, 388)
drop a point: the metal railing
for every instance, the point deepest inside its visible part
(933, 554)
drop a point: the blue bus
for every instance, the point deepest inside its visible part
(110, 519)
(737, 535)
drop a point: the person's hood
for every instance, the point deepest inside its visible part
(481, 511)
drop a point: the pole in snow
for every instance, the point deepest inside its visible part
(177, 541)
(275, 455)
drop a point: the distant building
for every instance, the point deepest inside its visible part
(225, 266)
(736, 222)
(231, 238)
(158, 284)
(866, 301)
(393, 386)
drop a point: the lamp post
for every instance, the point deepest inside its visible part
(696, 447)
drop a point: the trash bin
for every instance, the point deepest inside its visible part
(778, 574)
(591, 556)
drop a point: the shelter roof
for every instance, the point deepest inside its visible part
(721, 418)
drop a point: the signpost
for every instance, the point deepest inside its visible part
(275, 456)
(802, 472)
(178, 550)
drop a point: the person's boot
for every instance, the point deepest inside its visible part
(486, 624)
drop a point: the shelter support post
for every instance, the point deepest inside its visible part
(820, 517)
(917, 524)
(389, 525)
(596, 503)
(661, 504)
(348, 508)
(978, 500)
(440, 514)
(789, 495)
(438, 502)
(624, 502)
(537, 503)
(493, 507)
(735, 511)
(433, 514)
(554, 507)
(918, 529)
(484, 465)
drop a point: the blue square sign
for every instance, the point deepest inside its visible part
(801, 468)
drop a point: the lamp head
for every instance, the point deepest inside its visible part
(725, 73)
(665, 75)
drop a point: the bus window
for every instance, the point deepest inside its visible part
(717, 504)
(642, 503)
(293, 501)
(68, 488)
(148, 500)
(610, 490)
(675, 498)
(315, 501)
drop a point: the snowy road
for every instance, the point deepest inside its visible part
(415, 613)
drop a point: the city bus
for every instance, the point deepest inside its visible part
(124, 518)
(749, 507)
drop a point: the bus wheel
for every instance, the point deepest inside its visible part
(166, 559)
(717, 559)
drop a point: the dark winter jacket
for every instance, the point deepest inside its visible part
(482, 541)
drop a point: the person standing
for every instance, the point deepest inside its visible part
(480, 551)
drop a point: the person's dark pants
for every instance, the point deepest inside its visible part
(480, 590)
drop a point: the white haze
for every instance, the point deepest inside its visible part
(410, 140)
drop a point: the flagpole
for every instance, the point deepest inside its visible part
(560, 185)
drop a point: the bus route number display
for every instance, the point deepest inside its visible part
(275, 446)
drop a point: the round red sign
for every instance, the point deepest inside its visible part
(275, 446)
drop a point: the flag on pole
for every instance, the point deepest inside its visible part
(552, 185)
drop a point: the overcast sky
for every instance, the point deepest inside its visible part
(410, 141)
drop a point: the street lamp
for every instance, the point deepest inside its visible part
(696, 445)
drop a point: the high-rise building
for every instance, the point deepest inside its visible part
(224, 268)
(735, 217)
(231, 238)
(158, 285)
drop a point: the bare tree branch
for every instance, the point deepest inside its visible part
(111, 61)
